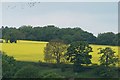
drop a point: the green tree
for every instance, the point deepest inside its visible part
(6, 37)
(12, 34)
(5, 34)
(47, 33)
(106, 38)
(117, 39)
(107, 57)
(54, 51)
(8, 66)
(78, 53)
(107, 62)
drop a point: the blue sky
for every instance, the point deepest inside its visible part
(95, 17)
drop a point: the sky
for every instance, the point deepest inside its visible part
(94, 17)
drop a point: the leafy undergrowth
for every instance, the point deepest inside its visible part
(46, 70)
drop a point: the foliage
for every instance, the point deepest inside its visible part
(47, 33)
(12, 34)
(117, 39)
(107, 60)
(8, 66)
(108, 72)
(44, 71)
(108, 57)
(54, 51)
(29, 71)
(50, 32)
(108, 38)
(78, 53)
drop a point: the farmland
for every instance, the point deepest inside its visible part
(34, 50)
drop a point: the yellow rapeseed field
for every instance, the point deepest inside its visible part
(34, 50)
(25, 50)
(95, 54)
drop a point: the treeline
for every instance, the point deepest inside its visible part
(51, 32)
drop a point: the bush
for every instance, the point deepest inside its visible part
(78, 68)
(8, 66)
(105, 72)
(27, 72)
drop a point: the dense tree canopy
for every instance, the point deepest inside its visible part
(108, 38)
(78, 53)
(50, 32)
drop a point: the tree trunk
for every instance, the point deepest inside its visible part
(107, 60)
(6, 40)
(58, 58)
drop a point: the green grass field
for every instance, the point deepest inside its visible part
(34, 50)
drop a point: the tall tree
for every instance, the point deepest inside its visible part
(54, 51)
(108, 57)
(78, 53)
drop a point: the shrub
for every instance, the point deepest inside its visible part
(105, 72)
(8, 66)
(78, 68)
